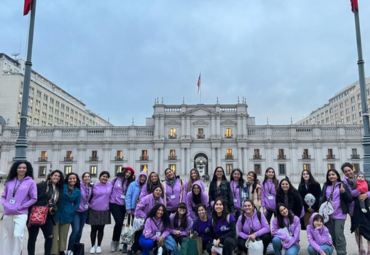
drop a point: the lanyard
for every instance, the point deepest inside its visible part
(87, 191)
(234, 189)
(271, 188)
(160, 223)
(16, 187)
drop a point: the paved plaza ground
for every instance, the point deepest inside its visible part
(351, 244)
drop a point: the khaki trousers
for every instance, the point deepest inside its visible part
(60, 233)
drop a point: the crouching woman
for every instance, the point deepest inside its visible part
(156, 229)
(252, 225)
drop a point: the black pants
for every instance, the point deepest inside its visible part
(229, 246)
(269, 215)
(266, 239)
(118, 212)
(47, 230)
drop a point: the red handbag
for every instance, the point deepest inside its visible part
(38, 215)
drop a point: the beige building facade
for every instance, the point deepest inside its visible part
(48, 104)
(343, 108)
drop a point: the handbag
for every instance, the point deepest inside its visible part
(254, 247)
(188, 246)
(38, 216)
(78, 249)
(138, 224)
(127, 235)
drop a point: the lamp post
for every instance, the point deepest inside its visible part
(21, 143)
(365, 112)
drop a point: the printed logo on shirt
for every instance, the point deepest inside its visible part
(308, 236)
(207, 230)
(224, 228)
(24, 187)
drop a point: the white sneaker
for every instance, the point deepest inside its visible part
(69, 252)
(98, 249)
(113, 246)
(92, 250)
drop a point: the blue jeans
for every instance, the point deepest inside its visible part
(79, 220)
(276, 243)
(328, 249)
(146, 244)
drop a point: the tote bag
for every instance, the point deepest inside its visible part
(188, 246)
(254, 247)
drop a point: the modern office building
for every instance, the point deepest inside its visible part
(183, 137)
(343, 108)
(48, 104)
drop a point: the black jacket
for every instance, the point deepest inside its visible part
(44, 197)
(315, 190)
(224, 192)
(294, 200)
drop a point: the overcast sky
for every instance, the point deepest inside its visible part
(286, 57)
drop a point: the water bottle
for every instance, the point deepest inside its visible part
(160, 250)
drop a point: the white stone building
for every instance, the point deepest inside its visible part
(186, 136)
(343, 108)
(48, 104)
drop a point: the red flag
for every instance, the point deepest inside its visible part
(198, 83)
(27, 7)
(354, 5)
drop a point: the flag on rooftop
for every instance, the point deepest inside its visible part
(198, 83)
(354, 5)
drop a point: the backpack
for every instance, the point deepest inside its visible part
(258, 216)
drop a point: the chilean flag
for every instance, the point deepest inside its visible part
(354, 5)
(198, 83)
(27, 7)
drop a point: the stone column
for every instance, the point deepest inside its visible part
(240, 159)
(155, 161)
(188, 164)
(183, 160)
(214, 162)
(161, 162)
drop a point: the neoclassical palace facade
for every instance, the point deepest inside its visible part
(186, 136)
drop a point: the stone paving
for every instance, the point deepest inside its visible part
(351, 243)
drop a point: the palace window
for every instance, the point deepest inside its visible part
(228, 133)
(93, 170)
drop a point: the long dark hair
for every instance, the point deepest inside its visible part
(240, 181)
(184, 219)
(327, 176)
(191, 181)
(122, 175)
(255, 181)
(83, 176)
(214, 178)
(13, 170)
(197, 199)
(292, 193)
(254, 207)
(150, 185)
(275, 181)
(215, 217)
(311, 180)
(280, 218)
(165, 217)
(59, 185)
(78, 185)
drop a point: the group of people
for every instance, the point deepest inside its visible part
(232, 215)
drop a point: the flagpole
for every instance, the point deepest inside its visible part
(365, 113)
(200, 94)
(21, 143)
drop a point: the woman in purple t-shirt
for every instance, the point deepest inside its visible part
(223, 229)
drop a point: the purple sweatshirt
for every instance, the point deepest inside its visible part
(268, 196)
(184, 232)
(317, 237)
(25, 196)
(294, 229)
(101, 195)
(236, 194)
(222, 228)
(186, 185)
(338, 213)
(145, 205)
(85, 196)
(172, 196)
(252, 225)
(153, 229)
(354, 193)
(190, 203)
(119, 192)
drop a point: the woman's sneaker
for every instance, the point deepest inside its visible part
(98, 250)
(92, 250)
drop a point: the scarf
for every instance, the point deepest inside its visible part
(171, 182)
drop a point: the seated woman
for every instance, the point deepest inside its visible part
(200, 225)
(157, 228)
(285, 231)
(195, 197)
(252, 225)
(318, 236)
(222, 229)
(181, 223)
